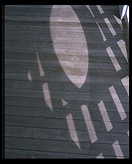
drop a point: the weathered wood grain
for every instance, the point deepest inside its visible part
(32, 130)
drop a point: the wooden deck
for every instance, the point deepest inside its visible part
(66, 82)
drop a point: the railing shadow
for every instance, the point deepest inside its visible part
(39, 92)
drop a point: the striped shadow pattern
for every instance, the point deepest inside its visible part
(67, 115)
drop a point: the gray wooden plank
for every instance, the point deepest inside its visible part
(47, 51)
(74, 104)
(59, 94)
(14, 153)
(53, 67)
(25, 44)
(30, 58)
(33, 111)
(56, 86)
(48, 145)
(54, 123)
(56, 78)
(61, 135)
(50, 65)
(42, 17)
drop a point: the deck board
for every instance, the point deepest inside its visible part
(32, 129)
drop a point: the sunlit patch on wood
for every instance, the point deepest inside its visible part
(100, 9)
(125, 82)
(105, 116)
(47, 96)
(89, 123)
(66, 43)
(119, 22)
(122, 46)
(100, 156)
(72, 130)
(29, 76)
(64, 102)
(89, 8)
(41, 71)
(102, 34)
(117, 150)
(117, 102)
(110, 26)
(113, 59)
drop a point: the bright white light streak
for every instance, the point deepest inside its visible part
(105, 116)
(72, 130)
(124, 11)
(117, 102)
(113, 58)
(117, 150)
(128, 14)
(89, 123)
(47, 97)
(110, 26)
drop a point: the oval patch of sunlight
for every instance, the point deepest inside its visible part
(69, 43)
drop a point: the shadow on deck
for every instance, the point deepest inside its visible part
(66, 82)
